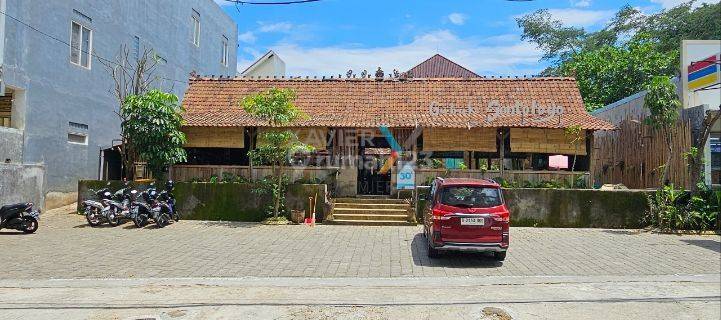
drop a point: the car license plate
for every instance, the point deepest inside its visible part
(472, 221)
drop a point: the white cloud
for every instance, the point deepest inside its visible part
(486, 57)
(457, 18)
(247, 37)
(275, 27)
(672, 3)
(581, 3)
(581, 18)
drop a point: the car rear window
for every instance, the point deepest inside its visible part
(470, 197)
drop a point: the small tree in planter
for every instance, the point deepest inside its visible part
(276, 107)
(152, 122)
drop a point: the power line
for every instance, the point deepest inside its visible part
(69, 45)
(271, 2)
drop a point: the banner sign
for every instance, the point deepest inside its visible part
(406, 177)
(704, 73)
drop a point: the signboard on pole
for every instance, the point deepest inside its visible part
(700, 73)
(406, 177)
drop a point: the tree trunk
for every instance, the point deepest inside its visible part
(128, 159)
(696, 163)
(279, 188)
(573, 168)
(664, 176)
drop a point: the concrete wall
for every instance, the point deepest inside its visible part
(629, 108)
(346, 184)
(269, 65)
(225, 201)
(57, 92)
(566, 208)
(21, 183)
(11, 145)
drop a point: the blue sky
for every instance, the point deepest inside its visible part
(331, 36)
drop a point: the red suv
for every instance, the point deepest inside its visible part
(466, 215)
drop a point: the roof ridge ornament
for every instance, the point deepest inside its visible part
(379, 74)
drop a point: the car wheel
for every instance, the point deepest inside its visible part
(499, 256)
(433, 252)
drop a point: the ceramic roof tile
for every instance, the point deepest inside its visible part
(398, 103)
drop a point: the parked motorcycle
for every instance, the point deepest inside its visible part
(98, 211)
(167, 201)
(152, 208)
(19, 216)
(122, 203)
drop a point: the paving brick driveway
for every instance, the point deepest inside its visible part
(65, 247)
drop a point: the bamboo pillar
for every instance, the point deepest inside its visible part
(502, 151)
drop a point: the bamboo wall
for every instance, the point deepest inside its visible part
(423, 175)
(459, 139)
(204, 172)
(634, 154)
(214, 137)
(555, 141)
(316, 137)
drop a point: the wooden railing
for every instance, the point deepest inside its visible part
(423, 176)
(205, 172)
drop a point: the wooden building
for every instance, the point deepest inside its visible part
(489, 127)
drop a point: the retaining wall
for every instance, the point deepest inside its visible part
(571, 208)
(22, 183)
(225, 201)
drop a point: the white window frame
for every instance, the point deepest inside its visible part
(79, 134)
(83, 29)
(195, 19)
(224, 51)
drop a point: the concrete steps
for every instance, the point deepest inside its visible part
(370, 223)
(371, 211)
(370, 200)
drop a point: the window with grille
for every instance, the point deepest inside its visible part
(81, 42)
(77, 133)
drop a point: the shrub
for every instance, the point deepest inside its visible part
(674, 209)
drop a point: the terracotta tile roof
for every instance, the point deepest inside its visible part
(369, 103)
(439, 66)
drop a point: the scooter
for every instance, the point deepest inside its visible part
(97, 211)
(122, 203)
(151, 208)
(20, 216)
(167, 201)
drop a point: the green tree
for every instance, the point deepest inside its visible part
(611, 73)
(663, 103)
(277, 108)
(152, 123)
(619, 59)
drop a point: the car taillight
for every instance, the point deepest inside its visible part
(502, 217)
(439, 214)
